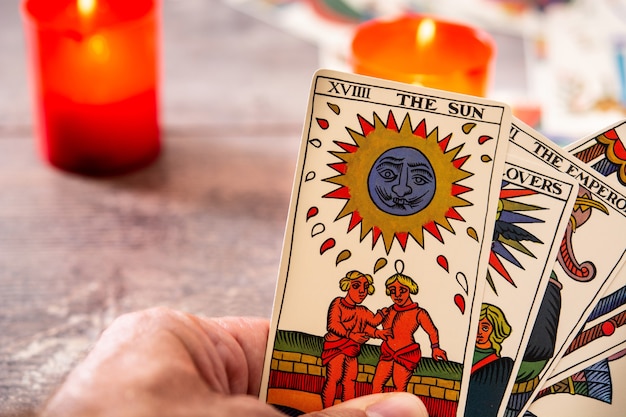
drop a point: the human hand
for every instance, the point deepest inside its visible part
(161, 362)
(359, 337)
(383, 334)
(439, 354)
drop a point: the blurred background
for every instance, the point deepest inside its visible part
(198, 230)
(201, 228)
(561, 64)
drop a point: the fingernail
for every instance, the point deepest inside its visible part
(400, 405)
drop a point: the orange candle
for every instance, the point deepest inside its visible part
(426, 51)
(94, 71)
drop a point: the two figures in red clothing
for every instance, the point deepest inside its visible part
(350, 325)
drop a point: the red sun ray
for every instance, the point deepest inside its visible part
(459, 189)
(516, 193)
(495, 263)
(366, 126)
(376, 233)
(340, 167)
(391, 122)
(443, 143)
(431, 227)
(341, 192)
(347, 146)
(403, 238)
(354, 220)
(453, 214)
(458, 163)
(420, 130)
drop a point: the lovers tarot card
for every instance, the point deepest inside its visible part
(536, 201)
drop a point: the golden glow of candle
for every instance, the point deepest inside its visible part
(99, 47)
(423, 50)
(86, 7)
(425, 32)
(96, 83)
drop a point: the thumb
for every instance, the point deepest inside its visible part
(392, 404)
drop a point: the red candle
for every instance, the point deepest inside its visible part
(94, 70)
(426, 51)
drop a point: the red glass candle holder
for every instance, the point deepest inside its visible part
(94, 67)
(427, 51)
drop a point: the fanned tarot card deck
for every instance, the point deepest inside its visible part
(438, 246)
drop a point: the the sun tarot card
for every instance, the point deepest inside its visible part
(387, 245)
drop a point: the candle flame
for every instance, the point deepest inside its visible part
(86, 7)
(425, 32)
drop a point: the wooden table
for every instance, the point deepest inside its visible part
(199, 230)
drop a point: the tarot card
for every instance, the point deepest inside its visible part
(597, 390)
(590, 255)
(387, 245)
(536, 201)
(602, 335)
(605, 152)
(605, 328)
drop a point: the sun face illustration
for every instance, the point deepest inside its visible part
(399, 181)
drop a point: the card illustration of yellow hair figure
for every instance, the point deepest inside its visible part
(386, 246)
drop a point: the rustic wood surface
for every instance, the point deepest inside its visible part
(199, 230)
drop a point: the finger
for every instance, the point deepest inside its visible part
(227, 352)
(149, 360)
(238, 405)
(395, 404)
(139, 362)
(243, 359)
